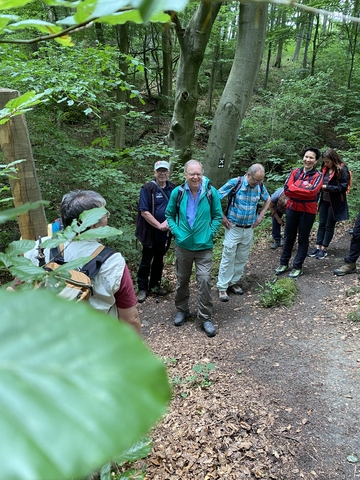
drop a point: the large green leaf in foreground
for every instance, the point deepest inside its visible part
(76, 387)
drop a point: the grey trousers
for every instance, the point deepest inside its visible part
(184, 260)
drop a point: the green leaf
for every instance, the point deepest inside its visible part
(71, 377)
(13, 213)
(27, 272)
(19, 247)
(141, 449)
(4, 4)
(101, 232)
(132, 16)
(73, 265)
(91, 217)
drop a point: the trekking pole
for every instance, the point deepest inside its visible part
(40, 256)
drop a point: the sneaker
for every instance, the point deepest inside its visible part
(295, 273)
(345, 269)
(281, 269)
(313, 252)
(141, 296)
(223, 296)
(236, 289)
(321, 254)
(275, 245)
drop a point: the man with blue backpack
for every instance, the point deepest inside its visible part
(240, 219)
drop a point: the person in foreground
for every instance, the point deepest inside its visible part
(333, 205)
(194, 223)
(113, 290)
(277, 207)
(239, 224)
(152, 230)
(302, 186)
(354, 252)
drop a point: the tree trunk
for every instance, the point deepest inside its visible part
(282, 23)
(307, 42)
(15, 145)
(272, 21)
(299, 39)
(237, 92)
(193, 41)
(118, 119)
(166, 90)
(315, 45)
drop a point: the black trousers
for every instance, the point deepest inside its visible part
(354, 252)
(327, 223)
(297, 224)
(151, 264)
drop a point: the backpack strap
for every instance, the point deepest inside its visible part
(99, 256)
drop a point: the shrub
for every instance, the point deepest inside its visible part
(282, 291)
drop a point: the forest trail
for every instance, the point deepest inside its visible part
(284, 397)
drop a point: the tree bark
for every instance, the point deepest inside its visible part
(192, 41)
(166, 88)
(237, 92)
(118, 119)
(15, 145)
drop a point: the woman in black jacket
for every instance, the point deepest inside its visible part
(333, 205)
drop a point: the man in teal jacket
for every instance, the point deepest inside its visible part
(194, 216)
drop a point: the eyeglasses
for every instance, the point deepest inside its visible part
(255, 180)
(107, 214)
(193, 174)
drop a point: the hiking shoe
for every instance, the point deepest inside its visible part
(295, 273)
(313, 252)
(223, 296)
(345, 269)
(281, 269)
(141, 296)
(181, 317)
(275, 245)
(236, 289)
(209, 328)
(321, 254)
(160, 291)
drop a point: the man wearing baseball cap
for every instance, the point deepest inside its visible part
(152, 230)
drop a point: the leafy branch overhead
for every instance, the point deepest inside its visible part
(116, 12)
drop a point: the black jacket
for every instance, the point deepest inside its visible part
(144, 231)
(336, 188)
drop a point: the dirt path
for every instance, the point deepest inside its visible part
(284, 398)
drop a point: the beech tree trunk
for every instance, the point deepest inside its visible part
(15, 145)
(192, 41)
(166, 89)
(237, 92)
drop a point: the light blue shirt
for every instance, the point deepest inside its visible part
(192, 204)
(243, 210)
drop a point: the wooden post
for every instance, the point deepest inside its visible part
(15, 145)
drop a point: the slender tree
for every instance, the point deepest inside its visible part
(237, 92)
(193, 41)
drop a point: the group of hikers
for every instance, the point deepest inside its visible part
(192, 213)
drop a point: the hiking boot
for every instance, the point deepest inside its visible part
(275, 245)
(345, 269)
(209, 328)
(321, 254)
(159, 291)
(281, 269)
(223, 296)
(141, 296)
(313, 252)
(235, 289)
(295, 273)
(181, 317)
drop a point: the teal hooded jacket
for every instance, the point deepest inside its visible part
(207, 222)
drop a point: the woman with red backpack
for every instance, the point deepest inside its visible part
(333, 205)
